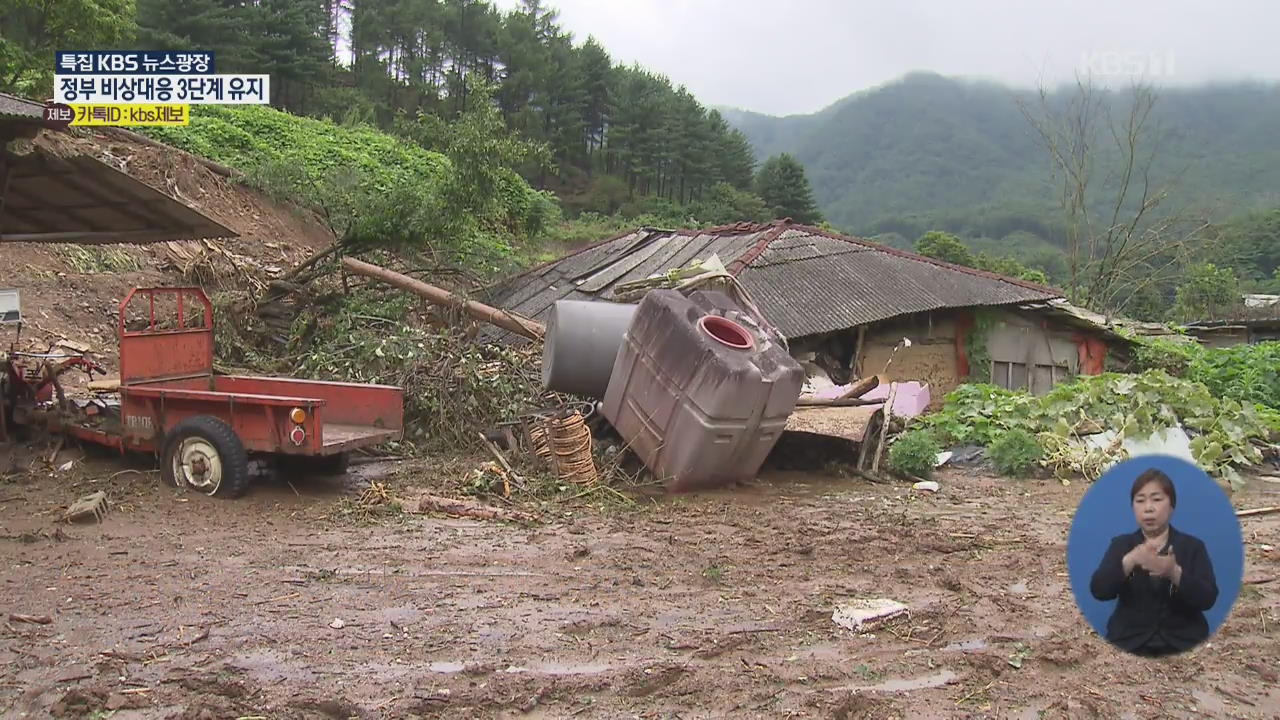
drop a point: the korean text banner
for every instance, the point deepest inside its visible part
(133, 62)
(162, 89)
(131, 115)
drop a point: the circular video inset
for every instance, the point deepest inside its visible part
(1156, 556)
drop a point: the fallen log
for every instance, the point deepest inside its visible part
(838, 402)
(504, 319)
(466, 508)
(860, 388)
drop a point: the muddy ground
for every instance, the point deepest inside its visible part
(289, 604)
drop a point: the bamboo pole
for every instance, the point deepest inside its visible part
(504, 319)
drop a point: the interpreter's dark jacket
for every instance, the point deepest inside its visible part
(1152, 616)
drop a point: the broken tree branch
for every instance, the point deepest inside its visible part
(1258, 511)
(504, 319)
(33, 619)
(466, 508)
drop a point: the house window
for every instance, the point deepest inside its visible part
(1039, 379)
(1009, 375)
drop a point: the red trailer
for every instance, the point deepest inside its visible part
(206, 427)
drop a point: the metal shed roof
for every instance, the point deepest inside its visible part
(806, 280)
(12, 106)
(82, 200)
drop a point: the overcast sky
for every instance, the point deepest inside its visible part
(798, 56)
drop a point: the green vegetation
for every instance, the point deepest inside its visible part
(377, 190)
(612, 132)
(92, 259)
(31, 31)
(1015, 453)
(252, 137)
(782, 185)
(1206, 291)
(973, 159)
(1135, 406)
(949, 248)
(928, 152)
(978, 413)
(914, 454)
(1247, 373)
(453, 387)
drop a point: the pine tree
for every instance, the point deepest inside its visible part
(736, 162)
(782, 184)
(594, 64)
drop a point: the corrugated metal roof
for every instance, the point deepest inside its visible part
(807, 281)
(12, 106)
(82, 200)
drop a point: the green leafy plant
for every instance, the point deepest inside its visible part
(977, 413)
(914, 453)
(975, 347)
(1248, 373)
(1225, 431)
(1015, 453)
(1172, 357)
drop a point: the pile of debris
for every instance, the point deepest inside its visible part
(683, 367)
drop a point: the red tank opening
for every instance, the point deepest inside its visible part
(726, 331)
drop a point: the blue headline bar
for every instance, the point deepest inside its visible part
(134, 62)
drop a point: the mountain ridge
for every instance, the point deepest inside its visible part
(928, 150)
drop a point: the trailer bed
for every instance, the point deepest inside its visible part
(341, 437)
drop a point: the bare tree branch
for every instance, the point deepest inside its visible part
(1141, 240)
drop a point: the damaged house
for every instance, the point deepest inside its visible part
(844, 304)
(1254, 320)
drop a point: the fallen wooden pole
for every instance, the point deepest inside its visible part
(837, 402)
(466, 508)
(1258, 511)
(887, 412)
(504, 319)
(860, 388)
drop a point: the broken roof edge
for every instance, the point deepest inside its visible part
(164, 217)
(1055, 292)
(739, 228)
(774, 230)
(17, 107)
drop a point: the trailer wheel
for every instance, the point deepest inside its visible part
(204, 454)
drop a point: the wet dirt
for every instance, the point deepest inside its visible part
(715, 605)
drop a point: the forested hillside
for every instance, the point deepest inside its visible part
(929, 152)
(614, 133)
(496, 94)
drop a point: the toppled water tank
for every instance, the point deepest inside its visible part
(698, 391)
(581, 344)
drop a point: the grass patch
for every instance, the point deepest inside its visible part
(96, 259)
